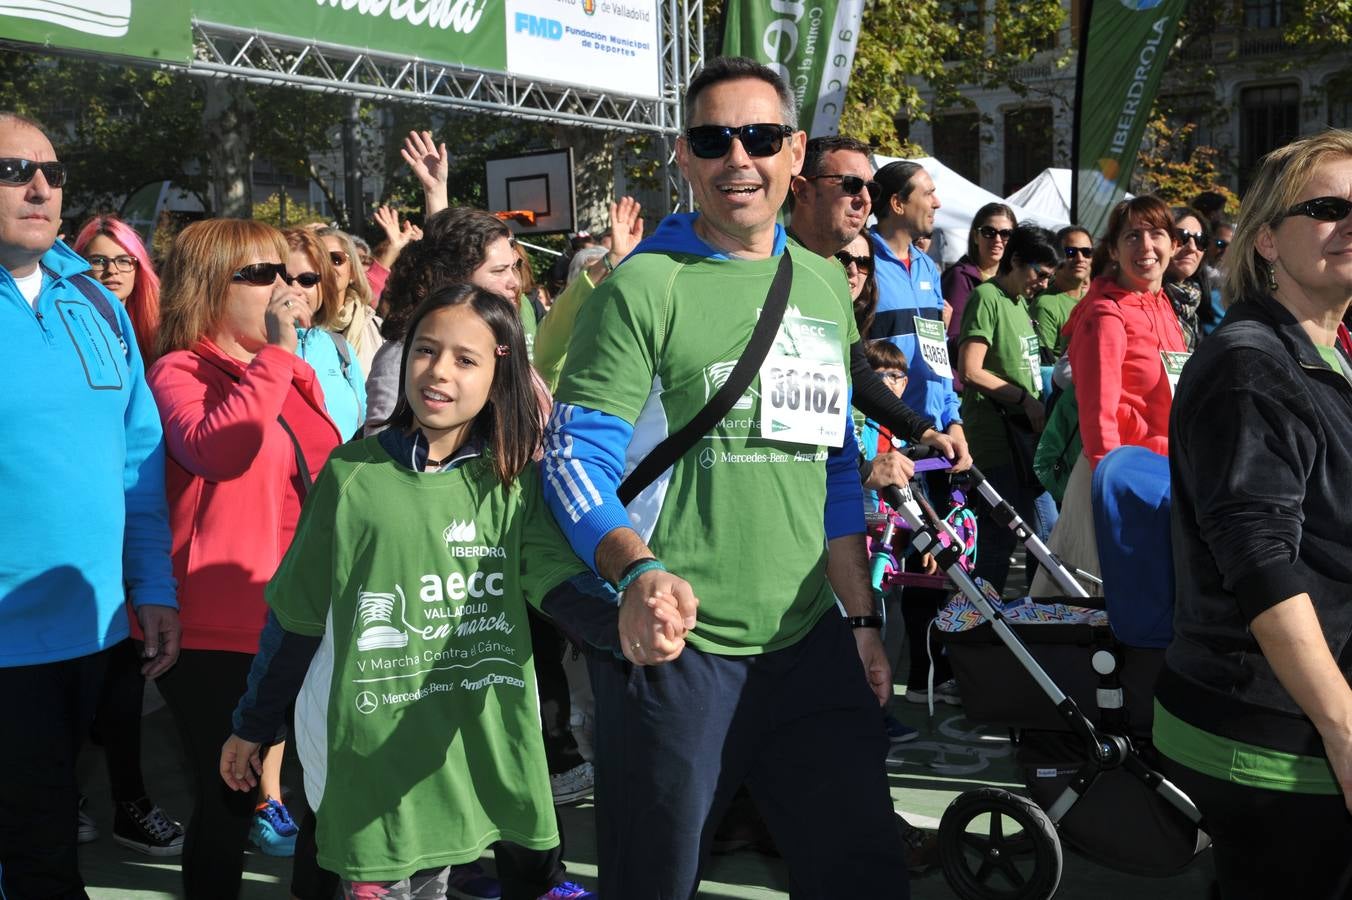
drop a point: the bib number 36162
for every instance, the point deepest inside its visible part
(803, 385)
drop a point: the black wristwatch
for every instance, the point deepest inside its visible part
(866, 622)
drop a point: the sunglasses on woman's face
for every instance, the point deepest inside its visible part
(990, 233)
(304, 279)
(264, 274)
(1072, 252)
(714, 141)
(1198, 238)
(862, 263)
(1322, 209)
(338, 257)
(1221, 244)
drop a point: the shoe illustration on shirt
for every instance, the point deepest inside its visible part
(105, 18)
(378, 631)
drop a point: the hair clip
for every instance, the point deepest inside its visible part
(502, 350)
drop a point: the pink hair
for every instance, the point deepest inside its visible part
(143, 306)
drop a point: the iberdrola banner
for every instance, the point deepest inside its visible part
(809, 42)
(1123, 48)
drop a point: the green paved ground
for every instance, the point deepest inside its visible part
(926, 775)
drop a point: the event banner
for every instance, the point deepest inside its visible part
(1123, 49)
(610, 45)
(809, 42)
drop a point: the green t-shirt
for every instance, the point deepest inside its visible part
(419, 724)
(529, 324)
(740, 515)
(1235, 761)
(1012, 352)
(1050, 314)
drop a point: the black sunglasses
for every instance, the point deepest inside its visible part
(862, 263)
(853, 184)
(1220, 244)
(1322, 209)
(338, 257)
(16, 170)
(264, 274)
(1072, 252)
(1198, 238)
(714, 141)
(990, 233)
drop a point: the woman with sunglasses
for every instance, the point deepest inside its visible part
(1002, 403)
(356, 318)
(1186, 280)
(121, 263)
(340, 372)
(1253, 711)
(991, 229)
(245, 432)
(1126, 350)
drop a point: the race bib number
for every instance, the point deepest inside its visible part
(929, 334)
(1032, 355)
(1173, 368)
(803, 386)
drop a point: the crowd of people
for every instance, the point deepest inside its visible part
(365, 501)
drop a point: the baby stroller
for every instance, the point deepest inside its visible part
(1083, 750)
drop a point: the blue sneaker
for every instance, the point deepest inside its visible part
(471, 882)
(274, 831)
(569, 890)
(898, 732)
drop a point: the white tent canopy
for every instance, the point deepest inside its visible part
(1046, 195)
(959, 201)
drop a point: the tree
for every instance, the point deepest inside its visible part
(1161, 171)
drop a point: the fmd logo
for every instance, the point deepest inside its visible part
(539, 26)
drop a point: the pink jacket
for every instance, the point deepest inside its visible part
(232, 480)
(1116, 337)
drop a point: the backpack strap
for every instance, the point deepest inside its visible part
(93, 292)
(344, 358)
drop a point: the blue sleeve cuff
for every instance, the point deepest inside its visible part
(582, 467)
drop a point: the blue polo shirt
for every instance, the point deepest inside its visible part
(902, 295)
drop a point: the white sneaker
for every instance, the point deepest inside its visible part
(943, 693)
(573, 785)
(377, 629)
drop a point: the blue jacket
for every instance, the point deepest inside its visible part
(344, 394)
(83, 520)
(902, 296)
(596, 441)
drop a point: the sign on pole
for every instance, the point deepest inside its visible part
(810, 43)
(1123, 48)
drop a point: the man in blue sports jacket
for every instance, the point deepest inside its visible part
(83, 521)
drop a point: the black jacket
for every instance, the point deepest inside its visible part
(1260, 455)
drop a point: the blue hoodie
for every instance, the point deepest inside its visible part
(83, 520)
(597, 441)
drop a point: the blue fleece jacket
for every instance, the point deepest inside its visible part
(597, 441)
(83, 520)
(343, 384)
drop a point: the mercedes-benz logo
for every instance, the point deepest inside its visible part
(707, 457)
(367, 703)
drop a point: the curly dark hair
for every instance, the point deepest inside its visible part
(454, 243)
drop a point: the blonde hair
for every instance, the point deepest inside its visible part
(197, 273)
(303, 239)
(1282, 176)
(358, 288)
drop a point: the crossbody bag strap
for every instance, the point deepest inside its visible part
(306, 481)
(665, 454)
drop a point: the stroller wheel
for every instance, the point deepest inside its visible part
(994, 845)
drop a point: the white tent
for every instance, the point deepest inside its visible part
(959, 201)
(1048, 194)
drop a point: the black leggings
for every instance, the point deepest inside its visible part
(547, 644)
(202, 690)
(117, 722)
(1272, 843)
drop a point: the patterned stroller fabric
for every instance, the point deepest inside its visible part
(960, 614)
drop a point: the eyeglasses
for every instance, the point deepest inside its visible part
(1072, 252)
(338, 257)
(893, 377)
(1039, 275)
(1198, 238)
(117, 263)
(264, 274)
(15, 170)
(853, 184)
(714, 141)
(862, 263)
(1322, 209)
(990, 233)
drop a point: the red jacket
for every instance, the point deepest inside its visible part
(1116, 337)
(232, 480)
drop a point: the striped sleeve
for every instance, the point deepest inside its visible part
(582, 468)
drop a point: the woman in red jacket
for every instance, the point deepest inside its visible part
(1126, 351)
(246, 431)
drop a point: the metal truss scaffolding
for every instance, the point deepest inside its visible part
(230, 51)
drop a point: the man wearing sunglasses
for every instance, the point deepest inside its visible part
(82, 514)
(766, 683)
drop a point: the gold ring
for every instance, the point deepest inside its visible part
(286, 303)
